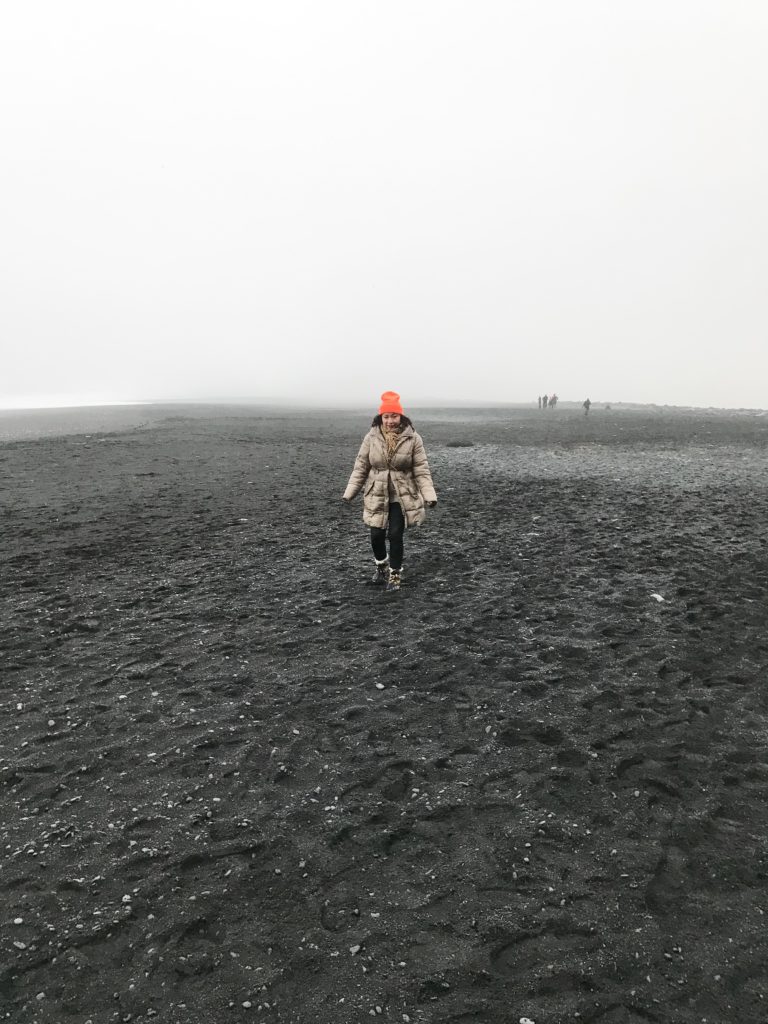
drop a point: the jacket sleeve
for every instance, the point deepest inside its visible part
(421, 471)
(361, 469)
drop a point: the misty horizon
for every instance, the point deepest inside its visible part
(420, 402)
(311, 202)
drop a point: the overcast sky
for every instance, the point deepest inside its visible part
(472, 200)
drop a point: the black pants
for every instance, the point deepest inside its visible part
(394, 530)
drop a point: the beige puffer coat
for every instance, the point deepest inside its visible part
(409, 473)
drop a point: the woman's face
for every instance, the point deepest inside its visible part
(390, 420)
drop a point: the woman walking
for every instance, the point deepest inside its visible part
(392, 471)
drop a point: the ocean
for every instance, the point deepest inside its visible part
(31, 424)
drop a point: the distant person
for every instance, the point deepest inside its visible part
(392, 471)
(544, 401)
(586, 404)
(552, 401)
(539, 401)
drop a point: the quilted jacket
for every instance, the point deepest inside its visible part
(408, 471)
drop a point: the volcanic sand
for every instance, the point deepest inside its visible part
(238, 782)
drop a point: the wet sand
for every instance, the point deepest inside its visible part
(240, 783)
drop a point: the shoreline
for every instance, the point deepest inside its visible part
(62, 421)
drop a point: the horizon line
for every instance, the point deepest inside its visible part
(61, 402)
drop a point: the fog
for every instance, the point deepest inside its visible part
(320, 201)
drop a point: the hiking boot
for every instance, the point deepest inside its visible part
(381, 575)
(395, 579)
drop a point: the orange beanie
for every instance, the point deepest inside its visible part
(390, 402)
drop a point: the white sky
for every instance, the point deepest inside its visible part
(469, 200)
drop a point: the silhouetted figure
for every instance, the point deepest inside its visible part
(539, 401)
(544, 401)
(552, 401)
(586, 404)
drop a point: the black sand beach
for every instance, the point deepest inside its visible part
(238, 783)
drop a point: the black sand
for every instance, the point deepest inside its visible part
(240, 784)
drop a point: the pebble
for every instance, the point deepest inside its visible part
(354, 949)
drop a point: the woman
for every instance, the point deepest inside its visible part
(391, 469)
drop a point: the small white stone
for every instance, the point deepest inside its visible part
(354, 949)
(18, 920)
(379, 686)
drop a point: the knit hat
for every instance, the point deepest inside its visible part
(390, 402)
